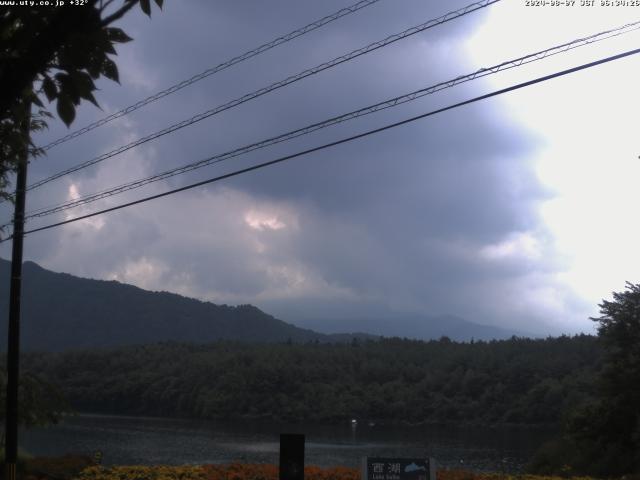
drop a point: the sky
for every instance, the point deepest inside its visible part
(515, 211)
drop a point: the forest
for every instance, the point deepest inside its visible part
(517, 381)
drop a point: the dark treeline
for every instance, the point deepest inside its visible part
(517, 381)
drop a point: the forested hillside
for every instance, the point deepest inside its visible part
(517, 381)
(61, 311)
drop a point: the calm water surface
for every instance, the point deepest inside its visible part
(142, 441)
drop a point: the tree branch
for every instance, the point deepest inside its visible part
(129, 4)
(105, 5)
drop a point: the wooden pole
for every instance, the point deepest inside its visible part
(13, 343)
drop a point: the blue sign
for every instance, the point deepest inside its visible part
(387, 468)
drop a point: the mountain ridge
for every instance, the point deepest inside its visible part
(61, 311)
(420, 327)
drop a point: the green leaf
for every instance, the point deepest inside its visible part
(145, 5)
(66, 110)
(94, 66)
(110, 70)
(50, 89)
(101, 43)
(107, 46)
(89, 96)
(82, 81)
(84, 86)
(68, 88)
(117, 35)
(36, 101)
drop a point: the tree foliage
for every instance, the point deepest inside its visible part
(57, 54)
(41, 403)
(603, 437)
(608, 432)
(518, 381)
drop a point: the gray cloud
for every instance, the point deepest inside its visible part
(439, 216)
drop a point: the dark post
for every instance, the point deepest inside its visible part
(291, 457)
(13, 344)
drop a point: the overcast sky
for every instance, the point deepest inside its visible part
(518, 211)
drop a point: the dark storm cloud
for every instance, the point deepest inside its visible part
(399, 221)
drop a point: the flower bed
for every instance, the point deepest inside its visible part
(238, 471)
(79, 468)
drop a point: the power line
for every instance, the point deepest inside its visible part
(339, 142)
(274, 86)
(218, 68)
(45, 211)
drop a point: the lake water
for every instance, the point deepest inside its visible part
(143, 441)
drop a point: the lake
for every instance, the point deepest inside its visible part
(143, 441)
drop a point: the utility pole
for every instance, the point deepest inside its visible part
(13, 343)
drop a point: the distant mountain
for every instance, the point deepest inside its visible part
(415, 327)
(61, 311)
